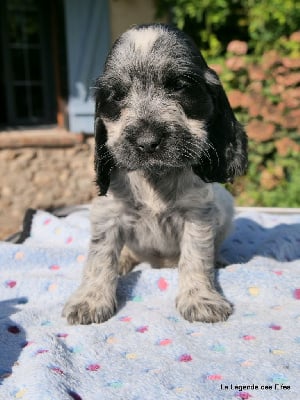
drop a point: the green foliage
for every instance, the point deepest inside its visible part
(203, 20)
(289, 47)
(270, 20)
(213, 24)
(286, 191)
(273, 177)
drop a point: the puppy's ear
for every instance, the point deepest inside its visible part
(104, 163)
(227, 140)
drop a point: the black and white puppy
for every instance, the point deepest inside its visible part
(165, 133)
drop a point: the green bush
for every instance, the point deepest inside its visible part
(213, 24)
(269, 20)
(272, 180)
(264, 93)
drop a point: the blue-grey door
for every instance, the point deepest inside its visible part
(88, 42)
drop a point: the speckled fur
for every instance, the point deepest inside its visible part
(160, 146)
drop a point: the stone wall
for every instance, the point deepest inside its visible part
(43, 177)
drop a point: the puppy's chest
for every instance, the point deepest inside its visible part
(155, 234)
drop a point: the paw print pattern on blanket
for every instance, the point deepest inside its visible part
(147, 351)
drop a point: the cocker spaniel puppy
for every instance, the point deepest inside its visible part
(165, 134)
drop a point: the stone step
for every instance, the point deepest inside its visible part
(53, 137)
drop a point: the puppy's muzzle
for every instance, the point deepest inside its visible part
(148, 143)
(145, 139)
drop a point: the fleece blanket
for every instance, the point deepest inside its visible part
(147, 351)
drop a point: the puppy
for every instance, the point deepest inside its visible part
(164, 134)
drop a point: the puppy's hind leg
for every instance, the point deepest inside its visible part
(95, 299)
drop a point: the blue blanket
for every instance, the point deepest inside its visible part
(147, 351)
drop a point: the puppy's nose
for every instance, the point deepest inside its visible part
(148, 144)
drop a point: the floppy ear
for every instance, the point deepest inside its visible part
(227, 148)
(104, 163)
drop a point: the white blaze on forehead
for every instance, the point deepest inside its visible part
(144, 39)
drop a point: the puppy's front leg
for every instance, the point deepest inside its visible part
(198, 299)
(95, 299)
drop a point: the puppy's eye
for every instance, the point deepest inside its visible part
(179, 85)
(175, 84)
(117, 95)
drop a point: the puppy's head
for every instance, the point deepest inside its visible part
(159, 106)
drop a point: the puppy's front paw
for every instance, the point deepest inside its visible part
(88, 309)
(193, 306)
